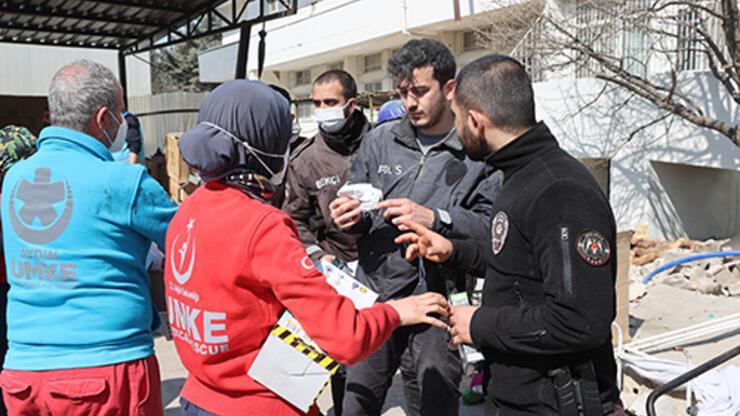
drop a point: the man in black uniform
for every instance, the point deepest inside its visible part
(550, 262)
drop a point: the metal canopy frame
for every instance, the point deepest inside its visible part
(130, 27)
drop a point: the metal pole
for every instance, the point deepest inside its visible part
(243, 53)
(687, 376)
(122, 75)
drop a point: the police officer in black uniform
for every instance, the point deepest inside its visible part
(550, 264)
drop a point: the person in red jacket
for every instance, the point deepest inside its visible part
(235, 263)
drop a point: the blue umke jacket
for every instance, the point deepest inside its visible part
(77, 228)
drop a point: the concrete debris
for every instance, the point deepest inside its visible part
(712, 276)
(708, 287)
(637, 291)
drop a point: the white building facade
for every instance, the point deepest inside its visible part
(355, 35)
(678, 179)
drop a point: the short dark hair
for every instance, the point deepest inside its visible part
(499, 87)
(349, 86)
(418, 53)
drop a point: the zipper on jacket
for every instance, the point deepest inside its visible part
(518, 292)
(421, 166)
(419, 169)
(528, 335)
(567, 266)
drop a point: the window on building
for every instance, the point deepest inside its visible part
(528, 52)
(336, 65)
(635, 51)
(474, 40)
(303, 77)
(689, 47)
(304, 110)
(595, 28)
(470, 41)
(372, 63)
(373, 86)
(635, 48)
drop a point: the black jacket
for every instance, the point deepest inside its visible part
(550, 264)
(390, 159)
(319, 168)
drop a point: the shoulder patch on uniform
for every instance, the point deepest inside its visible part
(306, 263)
(593, 248)
(499, 231)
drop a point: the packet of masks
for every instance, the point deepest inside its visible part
(470, 354)
(367, 194)
(290, 363)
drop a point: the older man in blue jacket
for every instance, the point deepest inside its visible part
(77, 228)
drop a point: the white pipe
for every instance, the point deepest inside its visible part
(678, 336)
(678, 340)
(670, 334)
(682, 338)
(620, 344)
(688, 385)
(690, 328)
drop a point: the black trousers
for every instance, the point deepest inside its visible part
(431, 370)
(338, 383)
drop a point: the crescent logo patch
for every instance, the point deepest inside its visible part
(306, 263)
(181, 254)
(593, 248)
(499, 231)
(38, 200)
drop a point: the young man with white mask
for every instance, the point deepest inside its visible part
(77, 230)
(318, 169)
(322, 165)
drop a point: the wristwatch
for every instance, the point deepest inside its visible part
(444, 217)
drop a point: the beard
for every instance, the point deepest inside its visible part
(475, 147)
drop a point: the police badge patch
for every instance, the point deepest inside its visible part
(593, 248)
(499, 231)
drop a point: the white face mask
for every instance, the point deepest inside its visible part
(330, 118)
(276, 178)
(116, 144)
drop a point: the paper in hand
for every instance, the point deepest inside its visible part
(368, 195)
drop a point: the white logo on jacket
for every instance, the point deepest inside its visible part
(390, 170)
(203, 330)
(182, 252)
(326, 181)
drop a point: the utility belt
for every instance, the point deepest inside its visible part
(578, 391)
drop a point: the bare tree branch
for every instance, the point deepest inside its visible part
(615, 40)
(645, 126)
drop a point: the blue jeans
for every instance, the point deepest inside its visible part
(189, 409)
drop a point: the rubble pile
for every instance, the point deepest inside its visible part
(712, 276)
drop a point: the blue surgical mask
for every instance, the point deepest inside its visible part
(115, 145)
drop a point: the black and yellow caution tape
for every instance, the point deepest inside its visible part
(301, 346)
